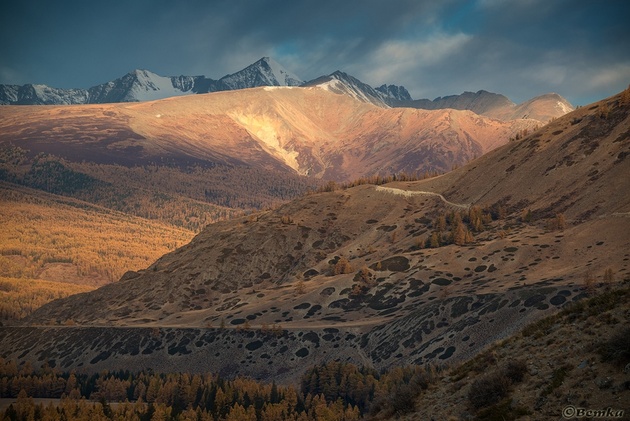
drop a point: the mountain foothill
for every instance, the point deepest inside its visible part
(298, 224)
(170, 153)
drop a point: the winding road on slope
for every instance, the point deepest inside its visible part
(409, 193)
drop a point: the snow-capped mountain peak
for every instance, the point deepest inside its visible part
(144, 85)
(145, 76)
(265, 72)
(342, 83)
(148, 86)
(395, 92)
(282, 75)
(37, 94)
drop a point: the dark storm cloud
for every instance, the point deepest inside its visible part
(74, 43)
(579, 49)
(520, 48)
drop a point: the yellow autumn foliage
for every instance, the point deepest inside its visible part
(40, 230)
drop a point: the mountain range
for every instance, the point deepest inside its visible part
(143, 85)
(307, 131)
(189, 160)
(543, 107)
(265, 277)
(342, 83)
(411, 272)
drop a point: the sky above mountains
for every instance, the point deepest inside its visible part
(520, 48)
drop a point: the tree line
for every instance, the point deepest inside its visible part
(331, 391)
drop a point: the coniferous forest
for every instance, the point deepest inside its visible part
(332, 391)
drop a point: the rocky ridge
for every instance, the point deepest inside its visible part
(543, 108)
(143, 85)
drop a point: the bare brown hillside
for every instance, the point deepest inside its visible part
(410, 272)
(305, 130)
(187, 162)
(576, 165)
(543, 108)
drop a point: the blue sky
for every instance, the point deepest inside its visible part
(520, 48)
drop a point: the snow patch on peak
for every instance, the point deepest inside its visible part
(280, 74)
(332, 85)
(265, 72)
(149, 86)
(344, 84)
(146, 76)
(144, 73)
(563, 107)
(46, 95)
(273, 88)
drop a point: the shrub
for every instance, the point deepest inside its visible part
(6, 286)
(540, 328)
(557, 378)
(616, 350)
(558, 223)
(609, 277)
(300, 288)
(365, 278)
(589, 283)
(502, 411)
(342, 266)
(515, 370)
(488, 390)
(403, 399)
(493, 387)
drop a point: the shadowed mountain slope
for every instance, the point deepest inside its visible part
(568, 363)
(479, 102)
(542, 108)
